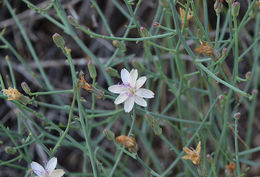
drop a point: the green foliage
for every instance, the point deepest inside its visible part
(196, 93)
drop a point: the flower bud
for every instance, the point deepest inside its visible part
(120, 45)
(235, 9)
(58, 40)
(26, 88)
(253, 94)
(109, 134)
(116, 43)
(144, 32)
(112, 72)
(10, 150)
(237, 115)
(218, 6)
(156, 24)
(248, 76)
(72, 21)
(209, 158)
(224, 52)
(221, 100)
(92, 70)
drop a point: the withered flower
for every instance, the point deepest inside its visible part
(85, 85)
(182, 15)
(205, 49)
(12, 93)
(193, 155)
(127, 141)
(231, 166)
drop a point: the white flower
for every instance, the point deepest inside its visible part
(48, 171)
(130, 90)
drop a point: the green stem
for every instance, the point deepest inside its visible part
(217, 29)
(52, 92)
(236, 148)
(69, 121)
(121, 152)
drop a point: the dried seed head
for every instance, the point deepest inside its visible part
(231, 166)
(193, 155)
(205, 49)
(182, 15)
(85, 85)
(12, 93)
(127, 141)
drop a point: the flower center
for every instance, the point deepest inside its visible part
(131, 90)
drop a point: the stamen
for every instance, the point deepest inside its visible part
(129, 94)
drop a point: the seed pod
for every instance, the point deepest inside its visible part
(127, 141)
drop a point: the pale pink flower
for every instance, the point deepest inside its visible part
(130, 90)
(49, 170)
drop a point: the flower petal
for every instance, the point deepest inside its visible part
(129, 104)
(187, 150)
(57, 173)
(121, 98)
(140, 82)
(51, 165)
(133, 77)
(117, 89)
(125, 76)
(198, 148)
(187, 157)
(145, 93)
(37, 169)
(140, 101)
